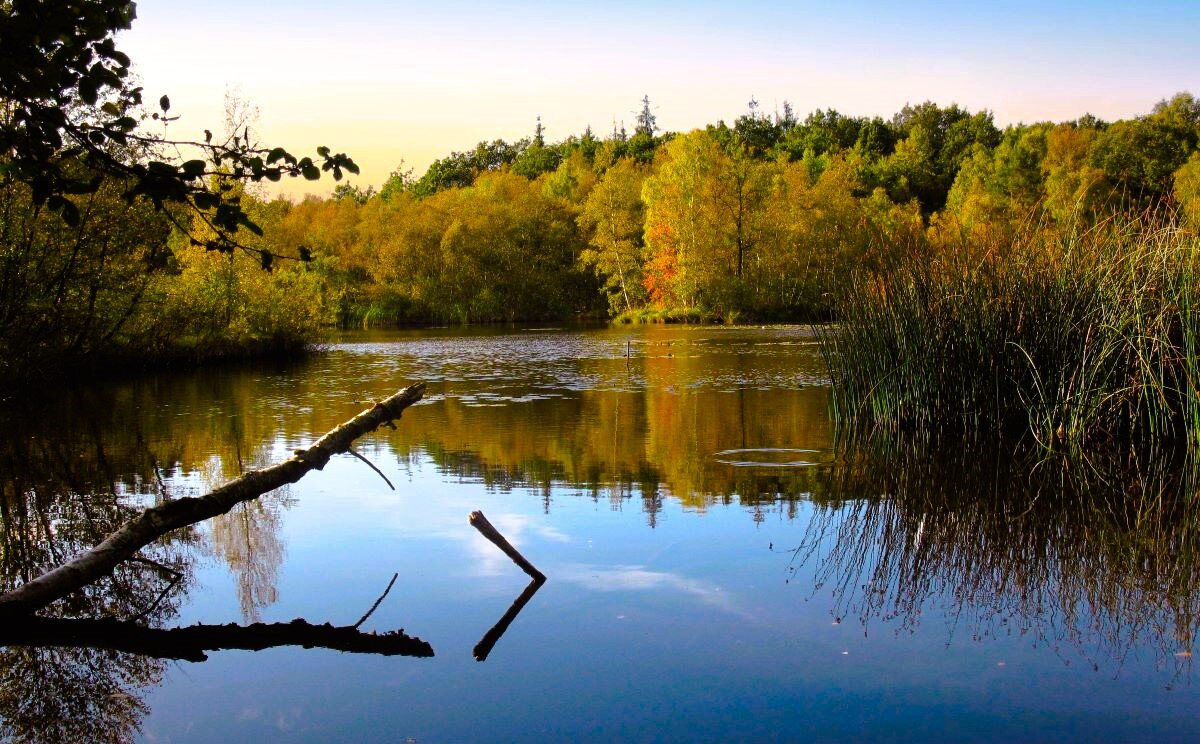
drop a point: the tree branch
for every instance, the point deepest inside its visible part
(481, 523)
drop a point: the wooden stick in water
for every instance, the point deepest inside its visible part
(480, 522)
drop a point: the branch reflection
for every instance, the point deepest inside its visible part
(59, 495)
(488, 642)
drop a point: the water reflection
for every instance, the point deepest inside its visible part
(484, 648)
(62, 489)
(78, 672)
(1096, 562)
(1096, 558)
(247, 539)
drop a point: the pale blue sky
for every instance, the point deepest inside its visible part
(412, 81)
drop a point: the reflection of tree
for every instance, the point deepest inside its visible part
(621, 445)
(643, 436)
(247, 538)
(1102, 561)
(105, 573)
(73, 695)
(59, 495)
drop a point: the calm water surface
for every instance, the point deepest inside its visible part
(718, 569)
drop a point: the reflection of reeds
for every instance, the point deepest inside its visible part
(1100, 559)
(1076, 336)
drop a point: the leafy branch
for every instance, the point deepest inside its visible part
(70, 119)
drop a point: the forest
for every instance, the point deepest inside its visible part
(770, 218)
(763, 220)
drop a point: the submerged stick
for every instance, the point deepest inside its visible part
(155, 522)
(480, 522)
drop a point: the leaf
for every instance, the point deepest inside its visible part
(161, 169)
(266, 258)
(70, 213)
(207, 136)
(88, 91)
(165, 104)
(67, 210)
(249, 224)
(311, 173)
(305, 253)
(194, 168)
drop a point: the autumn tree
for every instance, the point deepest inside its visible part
(703, 216)
(613, 215)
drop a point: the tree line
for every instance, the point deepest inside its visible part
(767, 218)
(763, 219)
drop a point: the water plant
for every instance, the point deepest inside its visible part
(1077, 335)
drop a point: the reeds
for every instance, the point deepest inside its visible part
(1078, 336)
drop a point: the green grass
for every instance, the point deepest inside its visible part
(1076, 337)
(672, 315)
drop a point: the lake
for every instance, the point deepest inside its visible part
(723, 565)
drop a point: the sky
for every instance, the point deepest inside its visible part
(408, 82)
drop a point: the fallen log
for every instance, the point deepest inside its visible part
(155, 522)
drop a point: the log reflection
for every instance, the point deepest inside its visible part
(485, 645)
(190, 643)
(1073, 555)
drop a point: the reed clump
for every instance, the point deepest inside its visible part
(1078, 335)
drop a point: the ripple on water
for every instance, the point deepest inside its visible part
(768, 457)
(547, 359)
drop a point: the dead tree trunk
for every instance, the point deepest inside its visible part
(155, 522)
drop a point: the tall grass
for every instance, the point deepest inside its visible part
(1078, 336)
